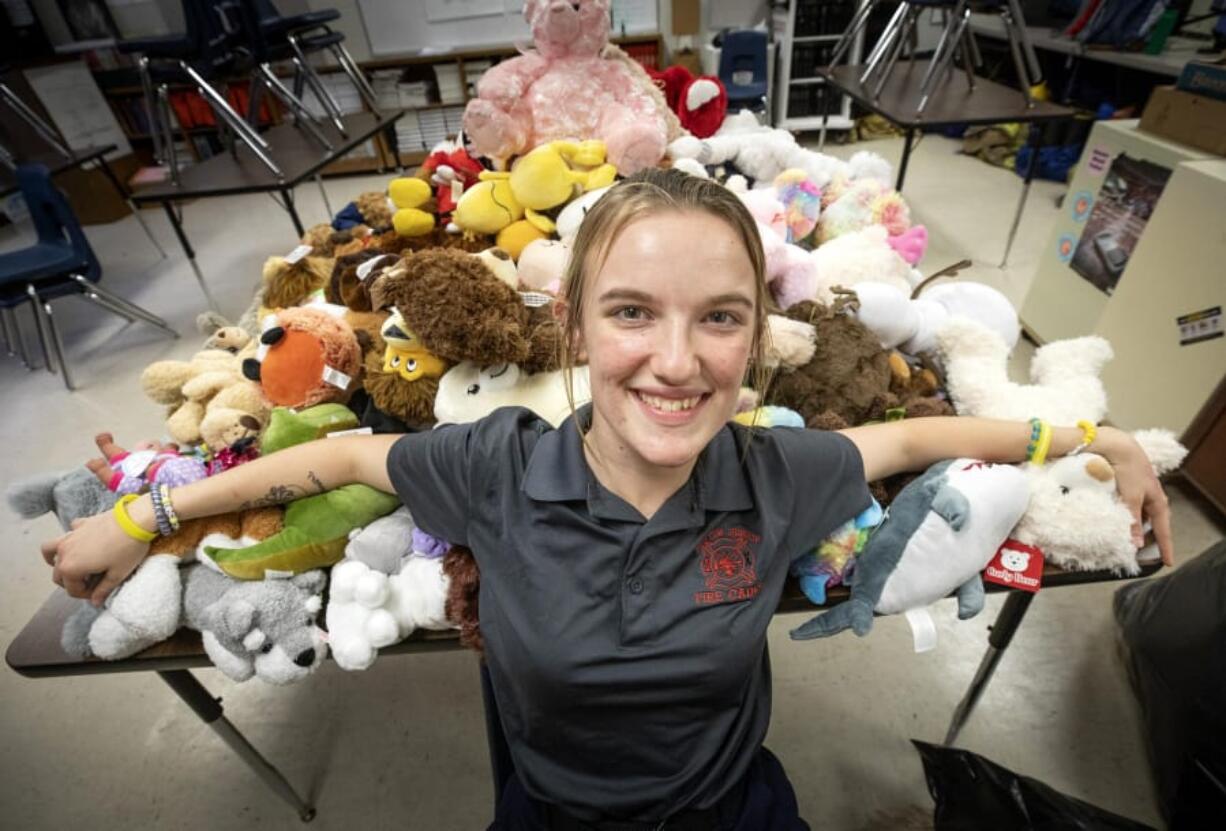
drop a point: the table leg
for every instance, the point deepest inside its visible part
(1000, 634)
(323, 193)
(287, 199)
(1036, 142)
(123, 194)
(394, 143)
(209, 710)
(191, 254)
(906, 157)
(12, 325)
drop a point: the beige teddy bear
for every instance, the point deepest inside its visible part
(207, 397)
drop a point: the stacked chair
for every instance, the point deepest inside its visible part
(60, 263)
(956, 45)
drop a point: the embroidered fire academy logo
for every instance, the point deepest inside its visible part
(728, 566)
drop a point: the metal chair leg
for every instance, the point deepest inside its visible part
(44, 340)
(317, 86)
(884, 42)
(1015, 49)
(858, 21)
(350, 67)
(13, 324)
(5, 315)
(131, 310)
(303, 119)
(34, 120)
(945, 42)
(323, 193)
(168, 137)
(57, 345)
(901, 44)
(151, 109)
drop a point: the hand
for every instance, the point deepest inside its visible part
(1139, 488)
(93, 558)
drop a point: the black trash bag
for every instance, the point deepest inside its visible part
(973, 794)
(1173, 630)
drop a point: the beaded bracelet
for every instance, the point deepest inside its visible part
(171, 517)
(129, 526)
(1088, 433)
(1040, 441)
(159, 511)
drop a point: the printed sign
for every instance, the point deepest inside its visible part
(1200, 326)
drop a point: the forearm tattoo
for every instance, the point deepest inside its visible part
(280, 494)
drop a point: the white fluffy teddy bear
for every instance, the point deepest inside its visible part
(1065, 385)
(1075, 516)
(762, 153)
(911, 325)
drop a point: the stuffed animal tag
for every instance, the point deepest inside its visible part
(356, 431)
(923, 630)
(535, 299)
(1016, 565)
(297, 254)
(137, 462)
(336, 378)
(363, 271)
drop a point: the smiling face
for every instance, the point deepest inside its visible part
(667, 325)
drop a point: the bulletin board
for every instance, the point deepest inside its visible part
(396, 28)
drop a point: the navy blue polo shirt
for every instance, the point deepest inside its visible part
(628, 656)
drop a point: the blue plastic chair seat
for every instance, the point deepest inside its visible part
(279, 26)
(166, 47)
(39, 262)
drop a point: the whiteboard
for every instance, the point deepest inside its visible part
(400, 28)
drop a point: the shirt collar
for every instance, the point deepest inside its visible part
(559, 472)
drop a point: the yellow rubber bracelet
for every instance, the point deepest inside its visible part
(128, 524)
(1042, 445)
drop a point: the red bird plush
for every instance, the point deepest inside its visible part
(452, 171)
(701, 103)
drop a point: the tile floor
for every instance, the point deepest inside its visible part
(402, 745)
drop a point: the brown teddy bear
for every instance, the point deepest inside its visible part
(851, 379)
(460, 308)
(286, 284)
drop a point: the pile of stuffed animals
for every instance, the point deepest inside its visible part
(431, 303)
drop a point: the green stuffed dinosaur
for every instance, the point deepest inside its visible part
(316, 527)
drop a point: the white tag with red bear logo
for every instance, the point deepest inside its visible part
(1016, 565)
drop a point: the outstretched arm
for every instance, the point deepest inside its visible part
(96, 555)
(916, 443)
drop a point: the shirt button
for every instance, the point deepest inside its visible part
(636, 585)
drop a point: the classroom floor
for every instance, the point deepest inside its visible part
(403, 744)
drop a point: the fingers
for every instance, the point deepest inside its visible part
(50, 548)
(1160, 518)
(105, 586)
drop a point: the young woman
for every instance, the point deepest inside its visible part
(632, 558)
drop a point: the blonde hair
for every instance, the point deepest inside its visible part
(648, 192)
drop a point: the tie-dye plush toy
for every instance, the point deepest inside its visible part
(831, 563)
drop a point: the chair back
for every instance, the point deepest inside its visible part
(54, 220)
(742, 64)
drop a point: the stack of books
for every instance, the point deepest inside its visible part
(408, 133)
(447, 75)
(473, 70)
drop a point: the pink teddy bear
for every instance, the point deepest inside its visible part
(566, 89)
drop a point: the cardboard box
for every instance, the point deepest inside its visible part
(1189, 119)
(687, 17)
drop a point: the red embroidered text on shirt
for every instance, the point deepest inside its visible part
(727, 564)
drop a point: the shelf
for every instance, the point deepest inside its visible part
(814, 122)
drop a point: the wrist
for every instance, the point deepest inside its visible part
(140, 511)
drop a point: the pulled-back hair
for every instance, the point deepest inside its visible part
(648, 192)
